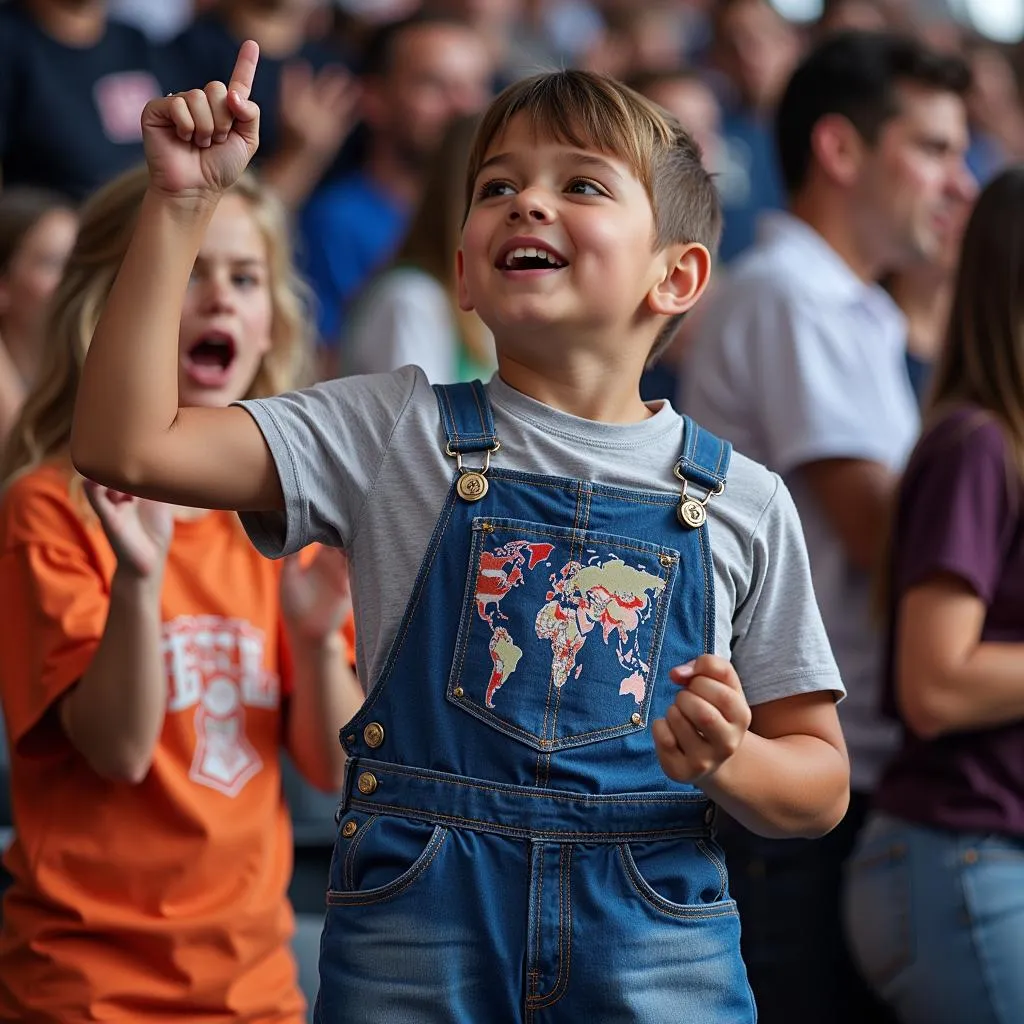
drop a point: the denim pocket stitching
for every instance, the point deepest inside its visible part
(367, 897)
(723, 874)
(350, 856)
(467, 622)
(721, 908)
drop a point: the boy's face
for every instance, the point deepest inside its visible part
(585, 210)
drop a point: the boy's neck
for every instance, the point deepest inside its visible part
(589, 388)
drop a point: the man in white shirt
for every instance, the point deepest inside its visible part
(799, 360)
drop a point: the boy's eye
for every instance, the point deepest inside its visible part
(494, 188)
(584, 187)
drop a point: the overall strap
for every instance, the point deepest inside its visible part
(705, 458)
(466, 417)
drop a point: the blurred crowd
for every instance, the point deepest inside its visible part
(368, 113)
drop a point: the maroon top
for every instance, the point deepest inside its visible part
(960, 512)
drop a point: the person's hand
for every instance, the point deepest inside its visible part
(315, 596)
(705, 724)
(139, 530)
(316, 110)
(197, 143)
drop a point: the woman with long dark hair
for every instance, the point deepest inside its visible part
(935, 892)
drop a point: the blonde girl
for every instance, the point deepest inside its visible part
(151, 666)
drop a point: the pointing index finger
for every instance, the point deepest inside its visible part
(245, 69)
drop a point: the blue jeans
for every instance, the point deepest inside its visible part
(936, 921)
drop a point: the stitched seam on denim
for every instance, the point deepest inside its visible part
(486, 430)
(564, 931)
(707, 565)
(664, 603)
(667, 907)
(453, 424)
(466, 619)
(678, 800)
(520, 832)
(538, 924)
(723, 877)
(350, 857)
(399, 885)
(374, 896)
(627, 543)
(414, 600)
(580, 739)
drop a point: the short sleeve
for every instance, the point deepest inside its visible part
(818, 395)
(55, 601)
(328, 443)
(779, 645)
(956, 515)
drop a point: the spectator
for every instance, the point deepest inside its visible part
(923, 290)
(996, 113)
(419, 73)
(411, 314)
(754, 51)
(307, 97)
(688, 97)
(37, 230)
(859, 15)
(151, 666)
(72, 87)
(802, 366)
(935, 893)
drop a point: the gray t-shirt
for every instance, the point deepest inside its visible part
(363, 466)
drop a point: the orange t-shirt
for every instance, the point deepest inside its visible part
(165, 900)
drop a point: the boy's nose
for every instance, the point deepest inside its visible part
(530, 205)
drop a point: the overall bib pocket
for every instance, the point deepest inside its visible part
(560, 631)
(379, 856)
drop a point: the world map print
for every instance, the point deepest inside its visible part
(603, 595)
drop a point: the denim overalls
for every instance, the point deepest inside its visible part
(509, 849)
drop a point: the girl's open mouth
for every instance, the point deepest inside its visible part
(209, 360)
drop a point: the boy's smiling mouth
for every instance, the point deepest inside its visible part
(529, 255)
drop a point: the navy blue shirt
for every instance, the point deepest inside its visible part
(70, 117)
(206, 52)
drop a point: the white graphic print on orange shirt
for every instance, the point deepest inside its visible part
(216, 665)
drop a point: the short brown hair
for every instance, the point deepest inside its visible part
(592, 111)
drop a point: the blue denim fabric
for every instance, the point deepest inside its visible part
(509, 848)
(936, 920)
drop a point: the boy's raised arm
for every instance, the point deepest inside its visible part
(128, 431)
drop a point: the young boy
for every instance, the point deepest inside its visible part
(556, 592)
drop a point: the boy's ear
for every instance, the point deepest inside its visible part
(465, 303)
(683, 282)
